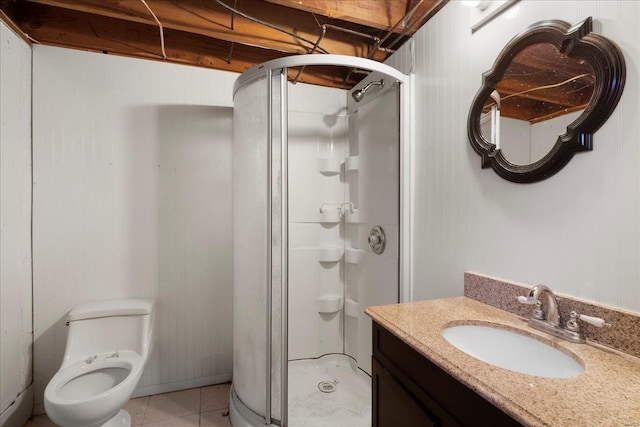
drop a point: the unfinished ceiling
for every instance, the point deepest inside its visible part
(228, 35)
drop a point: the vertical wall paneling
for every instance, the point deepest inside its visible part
(132, 198)
(577, 232)
(16, 395)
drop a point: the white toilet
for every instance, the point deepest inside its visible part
(108, 345)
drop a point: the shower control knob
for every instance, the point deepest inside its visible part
(377, 240)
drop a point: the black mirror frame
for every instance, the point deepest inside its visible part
(610, 71)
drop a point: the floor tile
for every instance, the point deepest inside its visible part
(172, 405)
(192, 420)
(214, 397)
(215, 419)
(40, 421)
(187, 408)
(137, 408)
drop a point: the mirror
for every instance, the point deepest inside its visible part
(549, 90)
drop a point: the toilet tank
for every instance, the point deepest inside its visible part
(107, 326)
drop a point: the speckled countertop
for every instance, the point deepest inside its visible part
(607, 393)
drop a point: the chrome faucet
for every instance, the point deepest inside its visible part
(546, 317)
(552, 316)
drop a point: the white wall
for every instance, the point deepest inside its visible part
(15, 229)
(132, 198)
(374, 187)
(579, 231)
(317, 130)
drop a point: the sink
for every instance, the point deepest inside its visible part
(511, 350)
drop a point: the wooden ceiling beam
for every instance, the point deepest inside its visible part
(70, 28)
(204, 33)
(558, 113)
(515, 89)
(382, 15)
(535, 112)
(212, 20)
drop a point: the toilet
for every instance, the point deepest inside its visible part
(108, 345)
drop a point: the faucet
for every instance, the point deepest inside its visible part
(552, 312)
(546, 317)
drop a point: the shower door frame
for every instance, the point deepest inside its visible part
(407, 147)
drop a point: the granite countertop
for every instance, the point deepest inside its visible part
(607, 393)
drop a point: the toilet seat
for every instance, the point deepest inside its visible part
(107, 378)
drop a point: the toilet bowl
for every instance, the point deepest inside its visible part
(108, 345)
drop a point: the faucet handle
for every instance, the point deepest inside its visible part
(538, 313)
(598, 322)
(524, 300)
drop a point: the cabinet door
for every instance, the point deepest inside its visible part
(393, 405)
(443, 398)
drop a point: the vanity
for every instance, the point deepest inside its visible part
(420, 379)
(449, 362)
(410, 390)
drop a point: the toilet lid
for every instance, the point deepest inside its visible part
(109, 308)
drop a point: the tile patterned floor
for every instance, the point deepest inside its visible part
(196, 407)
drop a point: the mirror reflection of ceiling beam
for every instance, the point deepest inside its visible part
(542, 118)
(526, 101)
(552, 62)
(569, 94)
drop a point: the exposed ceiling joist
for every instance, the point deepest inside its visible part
(209, 34)
(382, 15)
(211, 20)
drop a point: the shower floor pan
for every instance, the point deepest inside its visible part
(328, 391)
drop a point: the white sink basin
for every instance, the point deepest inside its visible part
(513, 351)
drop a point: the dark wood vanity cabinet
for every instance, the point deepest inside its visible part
(409, 390)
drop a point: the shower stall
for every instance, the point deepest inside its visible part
(322, 226)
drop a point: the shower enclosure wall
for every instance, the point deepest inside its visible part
(313, 173)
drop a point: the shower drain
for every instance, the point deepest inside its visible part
(327, 386)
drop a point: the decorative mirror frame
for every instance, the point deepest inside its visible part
(609, 68)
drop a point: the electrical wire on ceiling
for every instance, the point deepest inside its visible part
(233, 15)
(549, 86)
(315, 46)
(324, 28)
(267, 24)
(164, 53)
(406, 23)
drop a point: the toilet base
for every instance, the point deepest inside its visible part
(121, 419)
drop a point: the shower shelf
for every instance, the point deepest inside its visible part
(353, 256)
(353, 217)
(329, 304)
(330, 165)
(330, 254)
(352, 163)
(351, 307)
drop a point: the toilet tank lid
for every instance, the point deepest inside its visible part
(110, 308)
